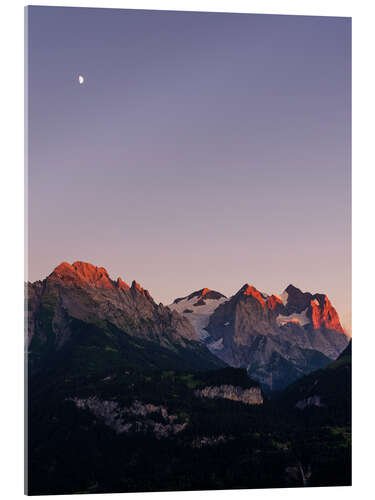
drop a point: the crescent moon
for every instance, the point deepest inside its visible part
(80, 79)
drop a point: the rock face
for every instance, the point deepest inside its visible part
(251, 396)
(81, 274)
(277, 338)
(84, 292)
(319, 310)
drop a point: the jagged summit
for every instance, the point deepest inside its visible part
(277, 338)
(136, 286)
(251, 291)
(274, 302)
(122, 285)
(88, 294)
(292, 289)
(317, 307)
(83, 274)
(295, 296)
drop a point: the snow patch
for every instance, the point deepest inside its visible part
(299, 318)
(200, 317)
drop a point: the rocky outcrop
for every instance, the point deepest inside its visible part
(139, 417)
(251, 396)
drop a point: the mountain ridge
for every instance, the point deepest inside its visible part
(89, 274)
(274, 336)
(78, 297)
(277, 338)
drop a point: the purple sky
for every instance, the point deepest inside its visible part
(203, 150)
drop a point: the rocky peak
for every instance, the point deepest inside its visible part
(137, 288)
(251, 291)
(121, 285)
(293, 290)
(84, 274)
(94, 276)
(273, 302)
(86, 293)
(296, 300)
(316, 309)
(294, 293)
(324, 315)
(62, 271)
(81, 274)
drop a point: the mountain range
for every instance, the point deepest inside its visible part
(277, 338)
(248, 386)
(81, 300)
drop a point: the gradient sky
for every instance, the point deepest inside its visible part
(203, 150)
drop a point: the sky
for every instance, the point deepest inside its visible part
(202, 149)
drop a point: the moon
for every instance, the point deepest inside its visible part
(80, 79)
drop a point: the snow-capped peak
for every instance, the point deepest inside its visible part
(198, 307)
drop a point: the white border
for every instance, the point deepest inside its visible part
(11, 210)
